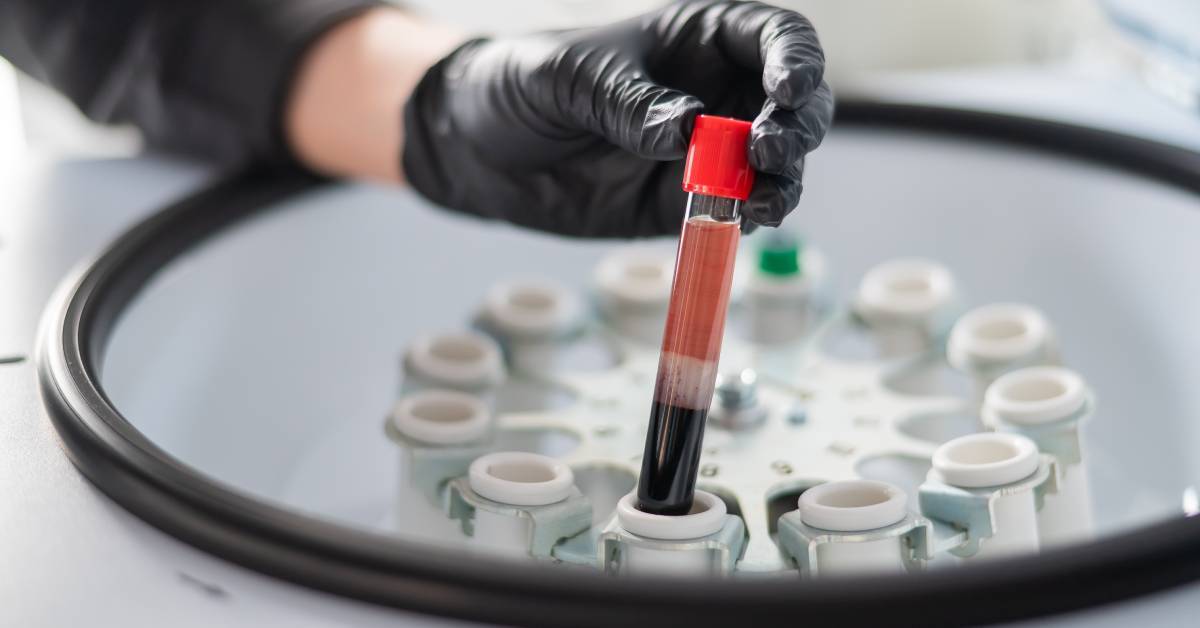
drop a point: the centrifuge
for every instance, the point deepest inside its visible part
(956, 388)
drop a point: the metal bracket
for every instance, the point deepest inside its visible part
(551, 523)
(431, 467)
(800, 541)
(1060, 439)
(971, 509)
(725, 546)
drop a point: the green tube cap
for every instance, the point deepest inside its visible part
(780, 256)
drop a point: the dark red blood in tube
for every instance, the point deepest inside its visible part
(688, 365)
(718, 177)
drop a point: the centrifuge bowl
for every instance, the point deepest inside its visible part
(1108, 287)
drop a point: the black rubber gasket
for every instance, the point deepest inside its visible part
(217, 518)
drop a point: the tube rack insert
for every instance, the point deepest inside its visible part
(522, 435)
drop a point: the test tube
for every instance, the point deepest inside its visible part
(718, 179)
(780, 299)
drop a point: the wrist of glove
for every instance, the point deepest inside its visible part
(582, 132)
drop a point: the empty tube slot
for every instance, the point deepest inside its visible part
(633, 289)
(460, 360)
(537, 322)
(515, 479)
(994, 339)
(448, 426)
(442, 417)
(1049, 405)
(852, 507)
(905, 303)
(531, 310)
(990, 461)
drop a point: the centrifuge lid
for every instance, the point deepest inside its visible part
(143, 478)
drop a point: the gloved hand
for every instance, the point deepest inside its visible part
(582, 132)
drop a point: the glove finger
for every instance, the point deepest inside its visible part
(774, 196)
(793, 62)
(780, 137)
(650, 120)
(782, 44)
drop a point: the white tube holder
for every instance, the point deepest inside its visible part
(852, 527)
(633, 291)
(989, 486)
(907, 304)
(705, 542)
(1049, 405)
(994, 339)
(437, 433)
(519, 503)
(532, 320)
(467, 361)
(784, 309)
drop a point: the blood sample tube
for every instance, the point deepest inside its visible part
(718, 179)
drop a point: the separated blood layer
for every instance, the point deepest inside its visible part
(687, 369)
(691, 345)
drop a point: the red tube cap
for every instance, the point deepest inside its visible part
(716, 160)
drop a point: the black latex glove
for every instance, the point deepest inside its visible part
(582, 132)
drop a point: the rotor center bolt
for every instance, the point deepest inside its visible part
(736, 397)
(737, 391)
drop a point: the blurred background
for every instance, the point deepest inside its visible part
(1124, 63)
